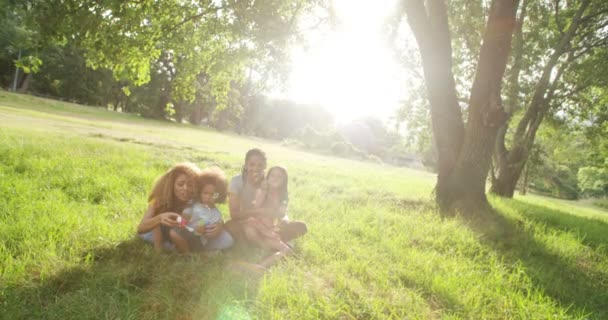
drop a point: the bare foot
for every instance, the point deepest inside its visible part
(246, 268)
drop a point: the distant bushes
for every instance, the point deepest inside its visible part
(346, 149)
(602, 203)
(293, 143)
(593, 181)
(329, 141)
(315, 139)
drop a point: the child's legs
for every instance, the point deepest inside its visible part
(275, 244)
(181, 244)
(149, 238)
(223, 241)
(235, 228)
(194, 241)
(272, 259)
(263, 241)
(157, 239)
(253, 235)
(290, 230)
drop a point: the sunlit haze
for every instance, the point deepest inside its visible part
(349, 70)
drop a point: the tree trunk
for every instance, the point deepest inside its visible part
(508, 176)
(512, 101)
(433, 38)
(179, 111)
(16, 78)
(510, 164)
(25, 83)
(464, 155)
(524, 184)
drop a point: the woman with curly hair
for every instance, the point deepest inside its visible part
(171, 194)
(211, 188)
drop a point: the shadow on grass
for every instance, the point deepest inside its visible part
(578, 282)
(593, 232)
(132, 281)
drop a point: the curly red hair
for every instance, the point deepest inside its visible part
(162, 196)
(217, 178)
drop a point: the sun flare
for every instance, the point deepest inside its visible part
(351, 71)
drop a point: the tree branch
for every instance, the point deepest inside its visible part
(174, 28)
(585, 49)
(560, 28)
(539, 93)
(593, 15)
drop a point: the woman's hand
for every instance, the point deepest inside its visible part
(151, 220)
(168, 219)
(212, 231)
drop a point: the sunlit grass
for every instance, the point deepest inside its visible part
(72, 194)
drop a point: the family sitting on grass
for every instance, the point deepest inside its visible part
(182, 213)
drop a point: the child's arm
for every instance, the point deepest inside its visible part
(276, 209)
(215, 228)
(260, 195)
(151, 220)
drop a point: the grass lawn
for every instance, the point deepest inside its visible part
(73, 186)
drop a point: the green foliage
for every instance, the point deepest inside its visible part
(603, 203)
(29, 64)
(345, 149)
(314, 139)
(555, 159)
(279, 118)
(170, 45)
(217, 38)
(17, 43)
(64, 74)
(593, 182)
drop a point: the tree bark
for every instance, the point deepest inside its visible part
(180, 111)
(25, 83)
(512, 101)
(196, 116)
(464, 155)
(486, 112)
(511, 162)
(524, 185)
(432, 35)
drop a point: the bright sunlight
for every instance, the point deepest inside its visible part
(351, 70)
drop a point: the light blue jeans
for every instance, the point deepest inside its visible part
(223, 241)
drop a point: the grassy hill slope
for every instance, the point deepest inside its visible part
(73, 186)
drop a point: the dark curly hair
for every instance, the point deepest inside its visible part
(216, 177)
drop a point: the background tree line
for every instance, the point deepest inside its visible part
(206, 63)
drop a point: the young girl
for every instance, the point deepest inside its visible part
(272, 198)
(210, 188)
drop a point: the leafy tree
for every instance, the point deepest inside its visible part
(593, 181)
(555, 51)
(65, 74)
(18, 46)
(464, 152)
(173, 43)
